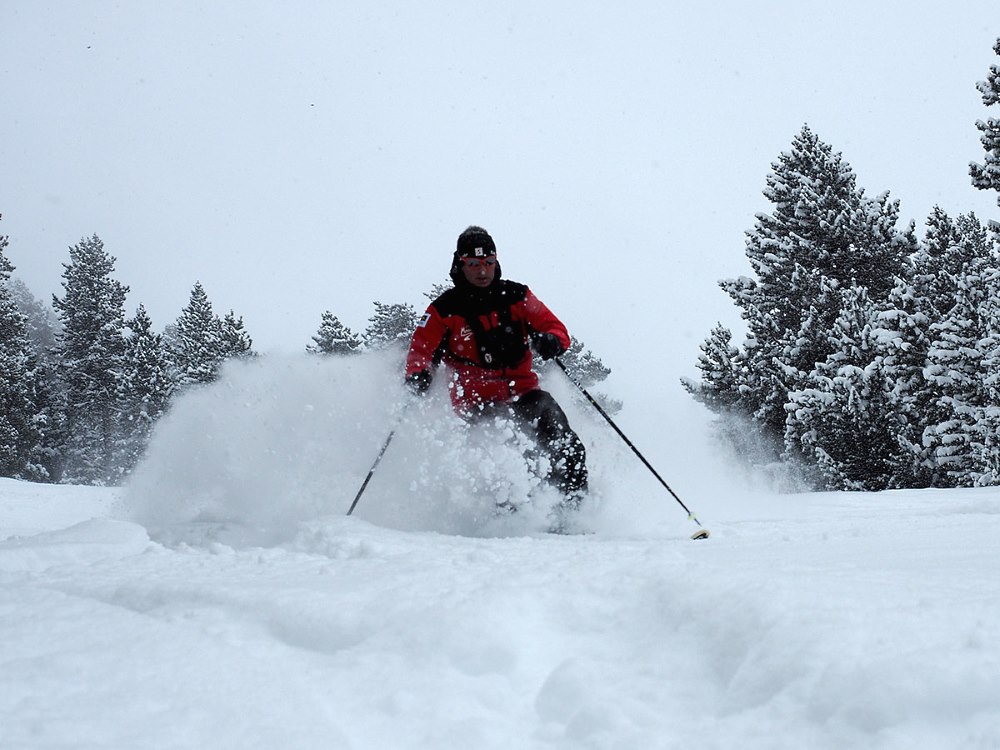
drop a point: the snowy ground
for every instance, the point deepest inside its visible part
(223, 600)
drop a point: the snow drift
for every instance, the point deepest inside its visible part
(224, 600)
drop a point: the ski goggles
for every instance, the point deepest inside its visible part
(477, 262)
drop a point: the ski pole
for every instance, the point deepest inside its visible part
(371, 471)
(702, 532)
(378, 458)
(385, 446)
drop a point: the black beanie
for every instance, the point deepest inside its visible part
(475, 242)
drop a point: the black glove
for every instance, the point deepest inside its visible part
(419, 382)
(548, 345)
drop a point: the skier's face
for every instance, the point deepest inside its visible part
(480, 271)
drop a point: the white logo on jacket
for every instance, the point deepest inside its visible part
(465, 336)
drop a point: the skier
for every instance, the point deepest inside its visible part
(480, 329)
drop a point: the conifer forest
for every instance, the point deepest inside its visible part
(870, 357)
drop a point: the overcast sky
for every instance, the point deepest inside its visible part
(304, 156)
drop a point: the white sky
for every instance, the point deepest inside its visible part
(298, 157)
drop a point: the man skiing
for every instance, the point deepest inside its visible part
(481, 329)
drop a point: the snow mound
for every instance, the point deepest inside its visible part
(821, 621)
(81, 544)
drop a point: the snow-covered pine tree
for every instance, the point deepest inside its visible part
(49, 399)
(989, 345)
(955, 366)
(954, 433)
(333, 337)
(986, 176)
(735, 431)
(823, 235)
(925, 299)
(235, 341)
(146, 387)
(810, 235)
(719, 363)
(44, 329)
(842, 425)
(936, 261)
(19, 434)
(391, 325)
(437, 290)
(91, 354)
(43, 325)
(195, 342)
(906, 320)
(585, 366)
(812, 343)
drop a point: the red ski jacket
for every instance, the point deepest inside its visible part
(482, 337)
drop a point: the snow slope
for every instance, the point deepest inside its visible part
(223, 600)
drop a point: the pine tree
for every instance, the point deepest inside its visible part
(822, 236)
(842, 425)
(952, 250)
(583, 365)
(42, 324)
(955, 367)
(234, 339)
(437, 290)
(722, 367)
(822, 233)
(43, 328)
(19, 433)
(199, 342)
(146, 388)
(989, 448)
(719, 364)
(986, 176)
(195, 341)
(46, 392)
(935, 262)
(953, 435)
(91, 353)
(822, 225)
(391, 325)
(333, 337)
(911, 395)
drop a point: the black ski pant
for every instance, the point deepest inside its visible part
(538, 414)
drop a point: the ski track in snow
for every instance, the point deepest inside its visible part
(219, 602)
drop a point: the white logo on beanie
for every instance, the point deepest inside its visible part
(480, 253)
